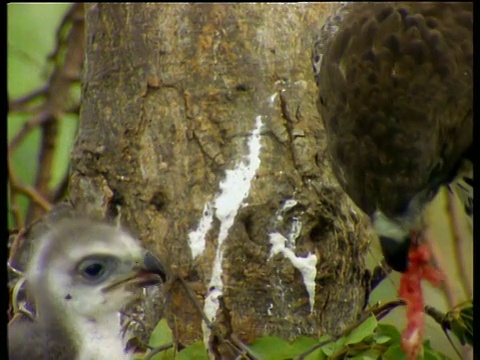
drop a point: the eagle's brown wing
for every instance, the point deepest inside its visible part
(395, 95)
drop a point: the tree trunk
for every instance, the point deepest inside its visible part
(199, 129)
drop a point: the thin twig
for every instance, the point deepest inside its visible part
(29, 110)
(61, 189)
(29, 191)
(195, 302)
(67, 68)
(74, 14)
(383, 310)
(45, 159)
(316, 347)
(132, 318)
(242, 347)
(33, 194)
(15, 210)
(18, 105)
(440, 318)
(39, 119)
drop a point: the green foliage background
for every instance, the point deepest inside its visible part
(31, 30)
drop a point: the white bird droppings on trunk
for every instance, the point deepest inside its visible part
(234, 189)
(306, 265)
(196, 238)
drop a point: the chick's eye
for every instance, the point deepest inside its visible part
(96, 268)
(92, 270)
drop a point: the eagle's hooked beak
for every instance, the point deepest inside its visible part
(395, 240)
(395, 252)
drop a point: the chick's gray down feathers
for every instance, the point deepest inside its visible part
(81, 274)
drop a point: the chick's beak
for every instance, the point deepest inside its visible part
(146, 272)
(153, 265)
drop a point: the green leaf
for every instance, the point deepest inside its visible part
(168, 354)
(304, 343)
(271, 348)
(195, 351)
(161, 335)
(369, 354)
(316, 355)
(460, 321)
(390, 331)
(324, 338)
(332, 348)
(362, 331)
(426, 344)
(329, 349)
(432, 355)
(382, 339)
(394, 352)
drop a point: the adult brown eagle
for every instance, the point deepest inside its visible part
(395, 87)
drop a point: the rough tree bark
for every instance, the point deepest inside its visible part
(199, 128)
